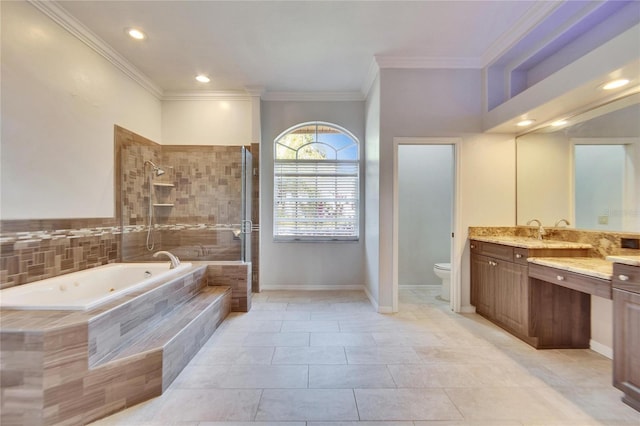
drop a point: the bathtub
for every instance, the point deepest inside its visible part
(79, 291)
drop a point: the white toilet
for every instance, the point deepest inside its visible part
(443, 271)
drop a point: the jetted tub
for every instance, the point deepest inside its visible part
(79, 291)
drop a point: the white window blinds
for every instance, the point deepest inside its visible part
(316, 198)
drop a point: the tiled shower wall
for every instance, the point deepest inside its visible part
(196, 216)
(205, 179)
(208, 184)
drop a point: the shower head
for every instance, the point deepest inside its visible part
(157, 170)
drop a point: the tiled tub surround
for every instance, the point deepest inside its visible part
(35, 255)
(236, 275)
(74, 367)
(79, 249)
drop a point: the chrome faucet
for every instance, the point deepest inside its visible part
(560, 221)
(175, 262)
(541, 230)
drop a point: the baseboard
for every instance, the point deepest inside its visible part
(264, 287)
(416, 286)
(601, 349)
(468, 309)
(374, 303)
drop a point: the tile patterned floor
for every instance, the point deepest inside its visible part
(327, 359)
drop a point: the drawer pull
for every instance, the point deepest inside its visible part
(518, 256)
(623, 277)
(559, 277)
(472, 246)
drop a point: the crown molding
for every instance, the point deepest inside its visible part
(536, 14)
(255, 90)
(426, 62)
(313, 96)
(82, 33)
(370, 78)
(206, 96)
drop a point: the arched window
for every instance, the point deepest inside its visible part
(316, 183)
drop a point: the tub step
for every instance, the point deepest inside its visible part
(180, 333)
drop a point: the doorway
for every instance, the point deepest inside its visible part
(424, 221)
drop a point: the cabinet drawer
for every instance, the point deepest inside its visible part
(520, 256)
(497, 251)
(579, 282)
(626, 277)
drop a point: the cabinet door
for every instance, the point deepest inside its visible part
(626, 345)
(511, 295)
(482, 277)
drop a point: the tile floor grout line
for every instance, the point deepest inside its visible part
(255, 415)
(355, 400)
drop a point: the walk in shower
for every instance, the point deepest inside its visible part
(194, 201)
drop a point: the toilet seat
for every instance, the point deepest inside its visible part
(443, 266)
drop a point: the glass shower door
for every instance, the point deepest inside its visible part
(247, 191)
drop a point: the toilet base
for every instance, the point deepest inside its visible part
(445, 291)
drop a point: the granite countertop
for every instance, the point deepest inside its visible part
(626, 259)
(531, 243)
(590, 266)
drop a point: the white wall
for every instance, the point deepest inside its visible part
(303, 264)
(372, 192)
(207, 122)
(436, 103)
(425, 196)
(487, 192)
(602, 326)
(544, 178)
(60, 101)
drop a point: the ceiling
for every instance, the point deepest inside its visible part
(301, 46)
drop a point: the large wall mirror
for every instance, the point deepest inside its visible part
(586, 170)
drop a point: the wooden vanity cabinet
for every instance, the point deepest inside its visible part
(626, 334)
(499, 288)
(502, 292)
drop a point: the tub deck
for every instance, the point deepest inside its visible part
(74, 367)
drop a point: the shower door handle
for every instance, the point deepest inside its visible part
(247, 225)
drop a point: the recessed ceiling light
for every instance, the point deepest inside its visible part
(525, 123)
(136, 33)
(203, 78)
(614, 84)
(559, 123)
